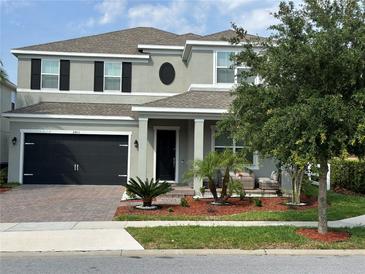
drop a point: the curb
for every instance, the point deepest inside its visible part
(258, 252)
(196, 252)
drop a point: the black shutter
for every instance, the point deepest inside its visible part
(65, 75)
(35, 72)
(127, 77)
(98, 76)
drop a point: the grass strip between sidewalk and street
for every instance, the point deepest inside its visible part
(195, 237)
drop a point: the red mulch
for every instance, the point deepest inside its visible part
(3, 189)
(330, 236)
(345, 191)
(203, 207)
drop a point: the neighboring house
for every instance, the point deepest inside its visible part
(7, 103)
(136, 102)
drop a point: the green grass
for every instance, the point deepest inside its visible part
(10, 184)
(341, 207)
(195, 237)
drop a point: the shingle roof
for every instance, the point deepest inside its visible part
(125, 41)
(91, 109)
(195, 99)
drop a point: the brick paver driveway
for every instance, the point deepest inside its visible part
(58, 203)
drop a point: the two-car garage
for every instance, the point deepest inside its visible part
(89, 159)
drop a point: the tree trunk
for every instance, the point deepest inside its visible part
(147, 202)
(213, 188)
(322, 198)
(225, 185)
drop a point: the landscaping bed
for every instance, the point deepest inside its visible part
(203, 207)
(340, 207)
(195, 237)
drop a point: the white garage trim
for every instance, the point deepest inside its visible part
(79, 132)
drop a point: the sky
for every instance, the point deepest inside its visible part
(29, 22)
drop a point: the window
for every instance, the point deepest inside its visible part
(222, 142)
(112, 76)
(227, 73)
(50, 74)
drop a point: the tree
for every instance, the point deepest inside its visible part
(3, 74)
(312, 97)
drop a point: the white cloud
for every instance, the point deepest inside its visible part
(229, 5)
(257, 20)
(110, 10)
(177, 16)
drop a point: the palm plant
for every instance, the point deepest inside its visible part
(148, 189)
(212, 163)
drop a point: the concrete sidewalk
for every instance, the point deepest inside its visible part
(111, 235)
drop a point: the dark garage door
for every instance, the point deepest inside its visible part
(75, 159)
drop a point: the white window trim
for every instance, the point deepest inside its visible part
(177, 156)
(255, 157)
(235, 68)
(120, 77)
(58, 75)
(80, 132)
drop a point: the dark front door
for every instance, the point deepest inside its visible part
(166, 155)
(75, 159)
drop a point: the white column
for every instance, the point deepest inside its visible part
(198, 149)
(142, 148)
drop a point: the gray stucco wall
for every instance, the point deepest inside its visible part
(30, 98)
(5, 105)
(145, 76)
(15, 127)
(81, 75)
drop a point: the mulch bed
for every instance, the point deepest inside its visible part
(330, 236)
(345, 191)
(3, 189)
(203, 207)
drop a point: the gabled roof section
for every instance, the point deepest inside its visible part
(123, 42)
(223, 36)
(116, 42)
(64, 110)
(194, 101)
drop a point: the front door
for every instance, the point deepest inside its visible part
(166, 155)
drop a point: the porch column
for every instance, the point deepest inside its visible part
(198, 149)
(142, 148)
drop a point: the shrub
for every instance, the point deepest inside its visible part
(348, 174)
(170, 210)
(184, 202)
(147, 189)
(258, 202)
(3, 176)
(202, 190)
(235, 186)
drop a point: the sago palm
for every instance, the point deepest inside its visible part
(148, 189)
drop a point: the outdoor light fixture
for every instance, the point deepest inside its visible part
(14, 141)
(135, 143)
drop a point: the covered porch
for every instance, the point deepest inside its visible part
(171, 138)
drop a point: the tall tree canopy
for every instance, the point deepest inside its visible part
(311, 102)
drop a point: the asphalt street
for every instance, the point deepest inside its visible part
(181, 264)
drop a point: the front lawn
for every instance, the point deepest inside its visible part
(195, 237)
(340, 207)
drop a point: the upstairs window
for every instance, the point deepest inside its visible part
(50, 74)
(112, 76)
(227, 72)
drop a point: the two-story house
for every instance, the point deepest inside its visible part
(136, 102)
(7, 103)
